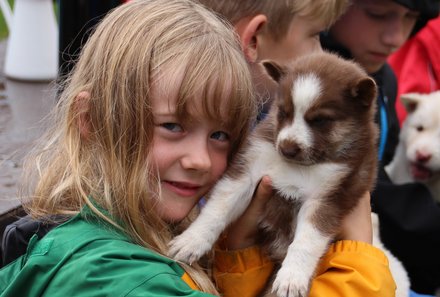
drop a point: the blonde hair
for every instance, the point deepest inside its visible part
(279, 12)
(111, 170)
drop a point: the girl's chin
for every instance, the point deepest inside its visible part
(176, 214)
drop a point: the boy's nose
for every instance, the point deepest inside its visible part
(196, 157)
(394, 35)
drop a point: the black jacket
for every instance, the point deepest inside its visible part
(409, 217)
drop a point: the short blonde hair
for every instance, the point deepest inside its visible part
(118, 65)
(279, 12)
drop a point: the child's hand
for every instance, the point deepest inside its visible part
(241, 234)
(357, 225)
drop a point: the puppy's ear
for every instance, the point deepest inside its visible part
(410, 101)
(365, 90)
(81, 107)
(275, 71)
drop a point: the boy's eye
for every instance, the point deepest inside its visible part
(220, 135)
(173, 127)
(317, 35)
(412, 15)
(376, 15)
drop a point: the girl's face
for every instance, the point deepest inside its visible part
(190, 154)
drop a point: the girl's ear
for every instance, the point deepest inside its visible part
(82, 106)
(248, 30)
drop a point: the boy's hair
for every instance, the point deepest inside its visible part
(279, 12)
(111, 169)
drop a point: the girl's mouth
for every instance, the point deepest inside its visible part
(182, 188)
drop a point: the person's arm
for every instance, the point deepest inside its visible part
(351, 267)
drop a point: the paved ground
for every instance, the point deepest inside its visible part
(22, 106)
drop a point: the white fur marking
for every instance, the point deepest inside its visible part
(302, 256)
(305, 91)
(295, 181)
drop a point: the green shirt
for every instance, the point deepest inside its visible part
(90, 258)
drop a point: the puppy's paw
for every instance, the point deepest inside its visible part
(290, 283)
(188, 247)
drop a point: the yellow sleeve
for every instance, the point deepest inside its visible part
(353, 268)
(349, 268)
(241, 273)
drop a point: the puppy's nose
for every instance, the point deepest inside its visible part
(423, 157)
(290, 150)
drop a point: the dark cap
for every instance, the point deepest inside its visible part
(428, 9)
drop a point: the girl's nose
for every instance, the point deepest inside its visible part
(197, 157)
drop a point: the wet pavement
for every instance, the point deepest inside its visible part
(23, 106)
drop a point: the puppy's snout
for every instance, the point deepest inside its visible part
(288, 149)
(423, 157)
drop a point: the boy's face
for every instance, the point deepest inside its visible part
(302, 38)
(373, 29)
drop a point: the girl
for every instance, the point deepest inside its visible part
(159, 102)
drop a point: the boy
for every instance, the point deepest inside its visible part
(369, 32)
(278, 30)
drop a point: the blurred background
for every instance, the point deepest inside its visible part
(39, 43)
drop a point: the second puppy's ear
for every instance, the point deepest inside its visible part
(81, 110)
(410, 101)
(275, 71)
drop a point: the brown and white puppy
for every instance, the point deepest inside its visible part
(417, 156)
(318, 145)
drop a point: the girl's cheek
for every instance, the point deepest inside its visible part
(222, 164)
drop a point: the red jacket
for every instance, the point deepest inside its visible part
(417, 64)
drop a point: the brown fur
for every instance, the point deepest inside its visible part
(348, 97)
(320, 151)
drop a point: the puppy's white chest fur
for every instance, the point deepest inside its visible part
(293, 181)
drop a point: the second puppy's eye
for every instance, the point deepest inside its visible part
(220, 136)
(173, 127)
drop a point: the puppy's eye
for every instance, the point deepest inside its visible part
(420, 128)
(320, 121)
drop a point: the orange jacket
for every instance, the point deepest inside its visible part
(349, 268)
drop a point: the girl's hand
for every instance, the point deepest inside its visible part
(241, 234)
(357, 225)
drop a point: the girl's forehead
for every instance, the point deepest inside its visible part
(166, 84)
(177, 92)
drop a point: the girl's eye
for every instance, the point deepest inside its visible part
(220, 135)
(173, 127)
